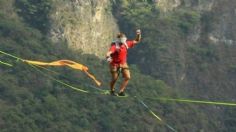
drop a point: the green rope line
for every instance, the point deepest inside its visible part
(161, 99)
(156, 116)
(193, 101)
(150, 111)
(7, 64)
(44, 68)
(10, 55)
(72, 87)
(54, 72)
(59, 81)
(171, 128)
(105, 92)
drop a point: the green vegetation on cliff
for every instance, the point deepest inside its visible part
(30, 101)
(177, 48)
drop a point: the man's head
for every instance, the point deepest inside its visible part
(121, 37)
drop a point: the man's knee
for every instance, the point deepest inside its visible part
(126, 74)
(113, 80)
(114, 75)
(127, 78)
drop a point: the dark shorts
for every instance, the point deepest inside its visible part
(114, 69)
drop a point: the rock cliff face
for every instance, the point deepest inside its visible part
(223, 11)
(168, 5)
(7, 8)
(89, 26)
(86, 25)
(223, 32)
(201, 5)
(222, 14)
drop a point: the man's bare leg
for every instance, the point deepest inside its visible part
(126, 75)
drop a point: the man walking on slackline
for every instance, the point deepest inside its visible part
(117, 57)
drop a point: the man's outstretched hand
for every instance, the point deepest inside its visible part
(138, 31)
(138, 36)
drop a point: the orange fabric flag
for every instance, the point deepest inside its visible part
(68, 63)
